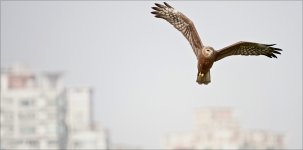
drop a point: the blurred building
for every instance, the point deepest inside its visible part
(38, 112)
(83, 133)
(32, 110)
(217, 128)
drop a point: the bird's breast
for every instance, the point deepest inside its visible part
(204, 64)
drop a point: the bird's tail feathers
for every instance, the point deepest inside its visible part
(203, 78)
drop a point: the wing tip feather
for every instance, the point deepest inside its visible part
(167, 5)
(155, 8)
(275, 51)
(159, 5)
(269, 45)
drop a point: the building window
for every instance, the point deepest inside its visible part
(27, 130)
(77, 144)
(27, 102)
(32, 143)
(24, 103)
(26, 116)
(52, 143)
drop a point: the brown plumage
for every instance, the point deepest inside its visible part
(206, 55)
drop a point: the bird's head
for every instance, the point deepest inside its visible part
(207, 51)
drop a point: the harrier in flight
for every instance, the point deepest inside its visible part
(206, 55)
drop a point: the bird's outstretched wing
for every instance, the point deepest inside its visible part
(180, 22)
(248, 48)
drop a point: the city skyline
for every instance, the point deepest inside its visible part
(125, 54)
(26, 95)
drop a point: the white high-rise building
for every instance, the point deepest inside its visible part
(32, 110)
(83, 132)
(38, 112)
(79, 112)
(217, 128)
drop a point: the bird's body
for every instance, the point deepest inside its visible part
(207, 55)
(206, 59)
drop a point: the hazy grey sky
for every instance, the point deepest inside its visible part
(143, 71)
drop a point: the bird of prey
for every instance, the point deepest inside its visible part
(206, 55)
